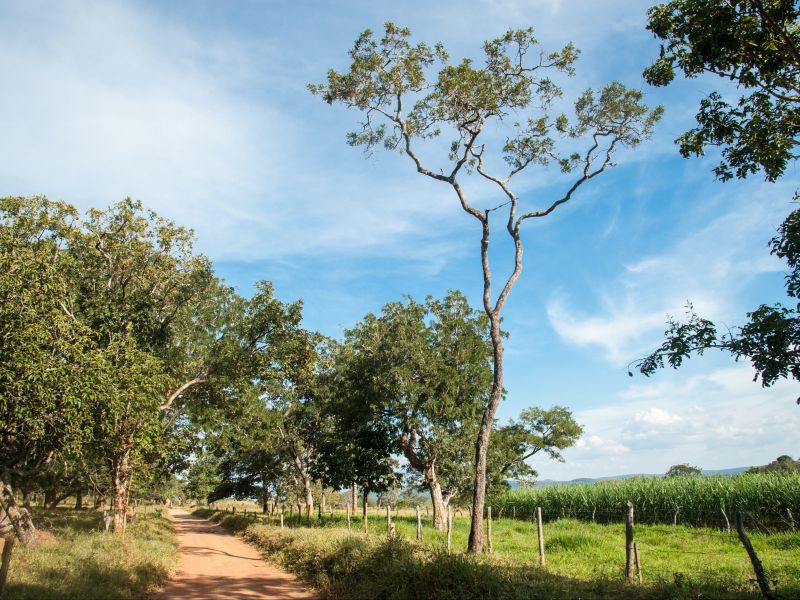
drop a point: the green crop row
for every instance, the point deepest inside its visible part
(766, 501)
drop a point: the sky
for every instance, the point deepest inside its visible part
(200, 110)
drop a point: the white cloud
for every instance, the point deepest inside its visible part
(111, 99)
(719, 419)
(657, 416)
(710, 266)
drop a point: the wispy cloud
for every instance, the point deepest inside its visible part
(710, 266)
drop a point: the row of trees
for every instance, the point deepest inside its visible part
(408, 384)
(114, 333)
(123, 355)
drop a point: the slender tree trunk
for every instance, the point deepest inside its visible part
(264, 494)
(298, 464)
(79, 499)
(120, 478)
(99, 500)
(365, 497)
(26, 497)
(482, 443)
(354, 498)
(439, 507)
(309, 496)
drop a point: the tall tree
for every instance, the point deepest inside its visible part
(388, 82)
(139, 288)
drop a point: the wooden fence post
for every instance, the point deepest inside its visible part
(637, 562)
(5, 561)
(449, 527)
(758, 568)
(489, 528)
(540, 534)
(629, 554)
(419, 524)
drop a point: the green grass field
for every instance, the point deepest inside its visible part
(82, 563)
(583, 559)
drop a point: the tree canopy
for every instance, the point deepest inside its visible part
(755, 44)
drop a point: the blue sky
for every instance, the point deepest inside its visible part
(200, 110)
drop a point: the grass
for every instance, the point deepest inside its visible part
(584, 560)
(80, 562)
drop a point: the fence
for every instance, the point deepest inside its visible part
(598, 543)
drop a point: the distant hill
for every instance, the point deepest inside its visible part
(550, 482)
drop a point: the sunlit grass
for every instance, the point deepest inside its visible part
(81, 562)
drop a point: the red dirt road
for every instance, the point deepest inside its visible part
(217, 565)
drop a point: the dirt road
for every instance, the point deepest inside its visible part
(217, 565)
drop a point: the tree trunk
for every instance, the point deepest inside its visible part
(309, 496)
(298, 465)
(265, 493)
(20, 519)
(365, 494)
(482, 443)
(100, 500)
(26, 498)
(439, 506)
(354, 498)
(120, 479)
(322, 502)
(79, 499)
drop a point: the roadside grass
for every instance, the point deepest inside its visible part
(81, 562)
(584, 560)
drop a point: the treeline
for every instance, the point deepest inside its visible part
(124, 360)
(767, 500)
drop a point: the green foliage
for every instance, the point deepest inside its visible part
(420, 374)
(203, 478)
(48, 382)
(763, 500)
(395, 85)
(756, 45)
(538, 430)
(683, 470)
